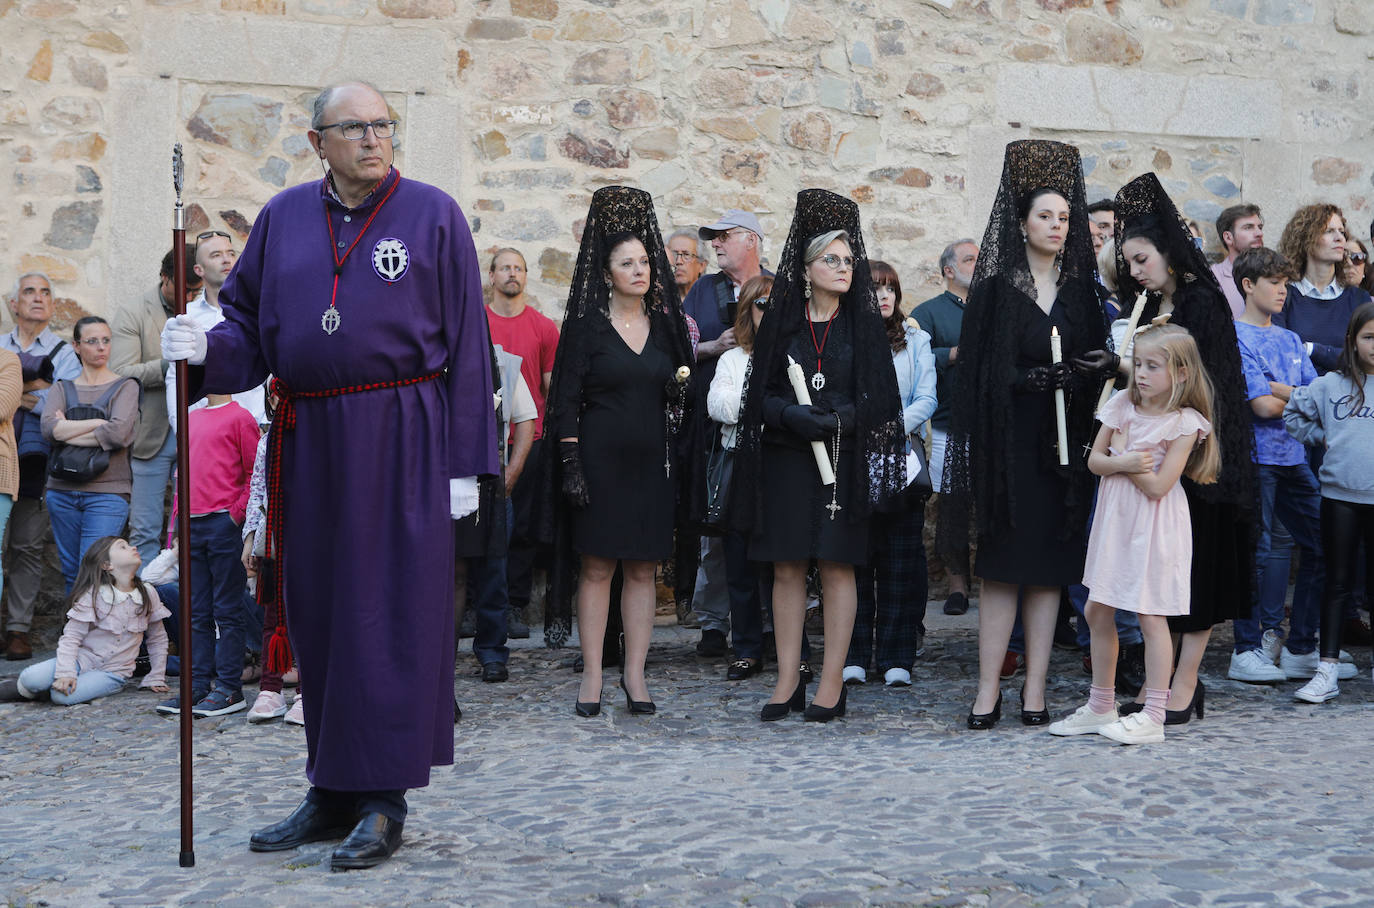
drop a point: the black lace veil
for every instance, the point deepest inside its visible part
(977, 487)
(614, 210)
(879, 465)
(1199, 306)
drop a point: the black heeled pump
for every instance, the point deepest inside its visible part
(1033, 717)
(816, 713)
(637, 707)
(1182, 716)
(984, 721)
(796, 703)
(587, 710)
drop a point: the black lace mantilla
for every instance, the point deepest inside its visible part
(614, 210)
(879, 464)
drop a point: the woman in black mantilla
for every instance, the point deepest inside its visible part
(1156, 254)
(615, 406)
(1035, 272)
(823, 314)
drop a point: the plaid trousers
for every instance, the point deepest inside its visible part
(892, 593)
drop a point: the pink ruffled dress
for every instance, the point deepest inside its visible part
(1140, 551)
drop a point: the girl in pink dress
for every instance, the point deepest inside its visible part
(1140, 548)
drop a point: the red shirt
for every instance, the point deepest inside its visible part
(224, 443)
(533, 337)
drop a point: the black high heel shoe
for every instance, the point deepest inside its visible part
(984, 721)
(587, 710)
(637, 707)
(772, 712)
(816, 713)
(1182, 716)
(1033, 717)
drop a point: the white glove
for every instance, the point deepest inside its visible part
(462, 497)
(182, 338)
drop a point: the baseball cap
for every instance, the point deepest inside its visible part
(732, 218)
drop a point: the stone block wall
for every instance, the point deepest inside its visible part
(521, 108)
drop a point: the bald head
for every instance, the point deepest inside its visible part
(360, 163)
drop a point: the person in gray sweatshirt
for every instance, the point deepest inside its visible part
(1336, 412)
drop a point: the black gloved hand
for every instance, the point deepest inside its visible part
(811, 423)
(676, 391)
(1047, 378)
(1101, 363)
(574, 483)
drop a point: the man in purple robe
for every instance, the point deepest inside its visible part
(362, 295)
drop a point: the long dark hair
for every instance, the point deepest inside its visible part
(1350, 357)
(91, 575)
(884, 275)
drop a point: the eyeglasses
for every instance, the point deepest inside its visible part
(726, 234)
(95, 342)
(833, 262)
(761, 304)
(354, 130)
(1357, 258)
(679, 257)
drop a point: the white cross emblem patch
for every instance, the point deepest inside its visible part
(390, 259)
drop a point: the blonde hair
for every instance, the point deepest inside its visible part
(1191, 386)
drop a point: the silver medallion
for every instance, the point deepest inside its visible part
(330, 320)
(818, 381)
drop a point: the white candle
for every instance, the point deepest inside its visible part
(798, 380)
(1057, 357)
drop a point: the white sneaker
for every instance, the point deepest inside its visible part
(1083, 721)
(296, 714)
(1270, 644)
(854, 674)
(897, 677)
(1344, 656)
(1254, 667)
(269, 705)
(1305, 666)
(1322, 687)
(1134, 729)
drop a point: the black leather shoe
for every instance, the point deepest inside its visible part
(1033, 716)
(372, 841)
(984, 721)
(310, 822)
(588, 709)
(956, 604)
(816, 713)
(743, 668)
(772, 712)
(637, 707)
(493, 672)
(1182, 716)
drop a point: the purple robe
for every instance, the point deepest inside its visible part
(369, 539)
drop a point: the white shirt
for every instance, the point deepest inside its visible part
(207, 317)
(1329, 292)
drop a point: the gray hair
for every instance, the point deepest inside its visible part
(19, 282)
(950, 255)
(703, 247)
(327, 94)
(815, 247)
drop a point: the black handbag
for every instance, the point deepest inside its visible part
(720, 468)
(919, 486)
(76, 463)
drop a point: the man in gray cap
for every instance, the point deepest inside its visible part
(737, 240)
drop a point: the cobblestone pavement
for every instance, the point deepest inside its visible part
(1266, 801)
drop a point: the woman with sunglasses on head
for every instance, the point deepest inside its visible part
(822, 322)
(89, 479)
(890, 621)
(1357, 272)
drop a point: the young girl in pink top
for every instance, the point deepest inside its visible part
(111, 614)
(1140, 550)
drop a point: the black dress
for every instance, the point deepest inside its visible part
(1033, 548)
(619, 423)
(795, 524)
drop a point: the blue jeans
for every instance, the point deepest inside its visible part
(488, 590)
(1290, 495)
(6, 505)
(79, 519)
(149, 494)
(217, 582)
(90, 684)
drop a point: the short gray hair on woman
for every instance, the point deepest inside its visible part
(815, 247)
(19, 282)
(327, 94)
(703, 247)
